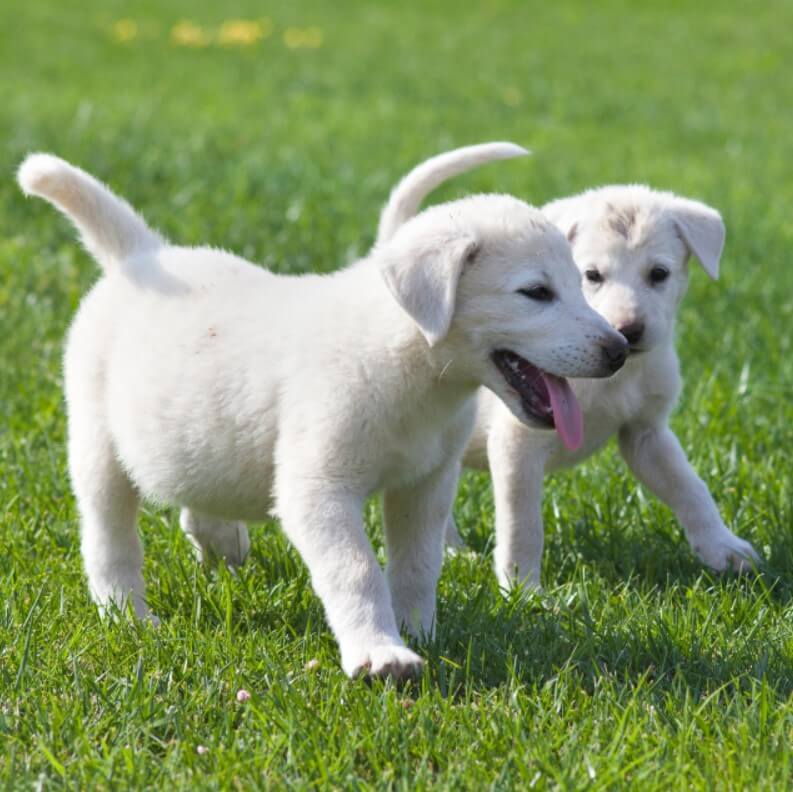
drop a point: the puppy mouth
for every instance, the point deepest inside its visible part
(546, 399)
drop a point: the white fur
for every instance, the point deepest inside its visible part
(407, 196)
(622, 232)
(195, 378)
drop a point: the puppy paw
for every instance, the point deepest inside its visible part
(454, 541)
(726, 551)
(213, 538)
(384, 661)
(115, 607)
(512, 575)
(152, 620)
(417, 619)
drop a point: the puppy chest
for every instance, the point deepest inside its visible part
(607, 406)
(411, 457)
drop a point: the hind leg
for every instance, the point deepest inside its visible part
(216, 538)
(108, 504)
(454, 542)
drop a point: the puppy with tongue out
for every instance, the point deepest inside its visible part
(547, 398)
(632, 246)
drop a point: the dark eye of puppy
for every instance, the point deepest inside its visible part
(658, 274)
(593, 276)
(539, 293)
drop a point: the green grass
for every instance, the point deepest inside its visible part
(636, 667)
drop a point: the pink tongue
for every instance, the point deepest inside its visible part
(566, 411)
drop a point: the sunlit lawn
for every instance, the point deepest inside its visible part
(276, 131)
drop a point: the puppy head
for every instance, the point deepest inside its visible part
(632, 246)
(492, 286)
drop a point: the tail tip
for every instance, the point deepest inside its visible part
(509, 149)
(37, 171)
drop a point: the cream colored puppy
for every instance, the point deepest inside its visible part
(195, 378)
(632, 246)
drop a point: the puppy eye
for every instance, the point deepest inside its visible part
(539, 293)
(658, 274)
(593, 276)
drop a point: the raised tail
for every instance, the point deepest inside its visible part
(407, 196)
(110, 228)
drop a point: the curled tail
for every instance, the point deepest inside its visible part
(110, 228)
(407, 196)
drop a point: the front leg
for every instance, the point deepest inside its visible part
(655, 456)
(323, 520)
(517, 468)
(416, 519)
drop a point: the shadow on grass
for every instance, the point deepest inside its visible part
(649, 555)
(647, 611)
(664, 635)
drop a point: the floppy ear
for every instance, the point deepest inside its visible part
(702, 230)
(564, 214)
(423, 278)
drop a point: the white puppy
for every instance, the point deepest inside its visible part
(195, 378)
(632, 246)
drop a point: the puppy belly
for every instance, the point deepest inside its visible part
(216, 469)
(229, 506)
(226, 492)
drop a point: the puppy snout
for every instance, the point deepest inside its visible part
(633, 332)
(615, 351)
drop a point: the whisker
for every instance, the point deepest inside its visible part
(444, 369)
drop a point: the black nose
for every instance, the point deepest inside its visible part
(616, 352)
(633, 332)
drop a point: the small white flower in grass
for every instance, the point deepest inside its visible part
(242, 695)
(311, 665)
(201, 750)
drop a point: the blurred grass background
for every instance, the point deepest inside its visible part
(276, 130)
